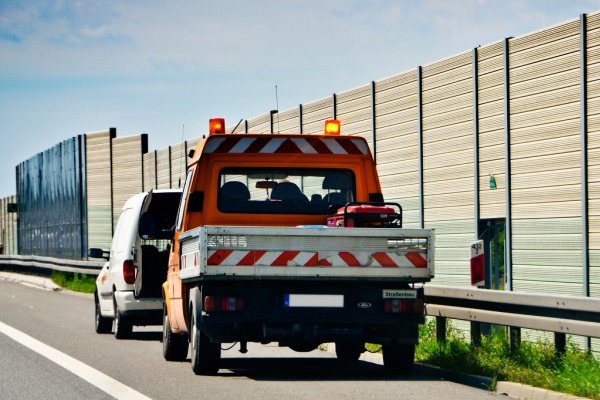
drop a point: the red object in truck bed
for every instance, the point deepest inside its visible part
(362, 215)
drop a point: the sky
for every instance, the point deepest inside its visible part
(166, 67)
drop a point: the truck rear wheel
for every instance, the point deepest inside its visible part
(349, 351)
(102, 324)
(175, 347)
(206, 355)
(398, 359)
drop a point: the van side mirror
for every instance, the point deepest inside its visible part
(196, 202)
(97, 253)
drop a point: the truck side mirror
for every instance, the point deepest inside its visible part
(196, 202)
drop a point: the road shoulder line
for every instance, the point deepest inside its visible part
(100, 380)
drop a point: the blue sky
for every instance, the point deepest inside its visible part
(69, 67)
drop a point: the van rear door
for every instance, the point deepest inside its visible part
(155, 235)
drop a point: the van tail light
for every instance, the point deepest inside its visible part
(223, 303)
(129, 271)
(398, 306)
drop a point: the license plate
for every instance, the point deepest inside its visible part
(399, 294)
(314, 300)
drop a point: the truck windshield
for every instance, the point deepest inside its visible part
(284, 190)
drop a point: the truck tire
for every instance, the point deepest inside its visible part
(398, 359)
(349, 351)
(122, 325)
(175, 347)
(206, 355)
(102, 324)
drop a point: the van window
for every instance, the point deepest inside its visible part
(184, 196)
(157, 219)
(284, 190)
(125, 233)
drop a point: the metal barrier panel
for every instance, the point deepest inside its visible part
(51, 221)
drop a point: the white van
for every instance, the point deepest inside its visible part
(129, 287)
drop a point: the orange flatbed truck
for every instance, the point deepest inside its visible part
(286, 238)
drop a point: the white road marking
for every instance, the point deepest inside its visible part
(103, 382)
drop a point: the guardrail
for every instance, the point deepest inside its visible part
(552, 313)
(562, 315)
(24, 263)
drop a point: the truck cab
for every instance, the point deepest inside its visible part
(254, 260)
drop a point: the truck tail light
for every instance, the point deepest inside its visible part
(223, 303)
(216, 125)
(129, 271)
(398, 306)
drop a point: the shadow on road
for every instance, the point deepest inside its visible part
(308, 369)
(146, 336)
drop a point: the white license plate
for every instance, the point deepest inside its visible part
(399, 294)
(314, 300)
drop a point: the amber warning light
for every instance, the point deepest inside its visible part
(216, 125)
(332, 127)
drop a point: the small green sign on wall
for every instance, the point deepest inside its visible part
(493, 182)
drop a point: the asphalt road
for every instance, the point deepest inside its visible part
(64, 321)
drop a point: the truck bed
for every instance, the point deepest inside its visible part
(384, 254)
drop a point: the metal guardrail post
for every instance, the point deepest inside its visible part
(440, 329)
(514, 334)
(475, 333)
(560, 342)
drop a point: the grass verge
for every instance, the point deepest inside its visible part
(536, 364)
(73, 281)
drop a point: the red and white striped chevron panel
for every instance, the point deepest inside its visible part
(240, 144)
(291, 258)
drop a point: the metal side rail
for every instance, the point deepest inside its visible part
(552, 313)
(20, 263)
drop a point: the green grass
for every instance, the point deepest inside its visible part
(536, 364)
(75, 282)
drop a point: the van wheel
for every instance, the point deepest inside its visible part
(122, 325)
(398, 359)
(349, 351)
(175, 347)
(103, 324)
(206, 355)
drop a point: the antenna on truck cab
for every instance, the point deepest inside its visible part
(238, 124)
(183, 159)
(277, 107)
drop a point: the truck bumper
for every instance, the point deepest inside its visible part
(309, 312)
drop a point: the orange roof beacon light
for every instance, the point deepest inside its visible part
(216, 125)
(332, 127)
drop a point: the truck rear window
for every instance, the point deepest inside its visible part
(284, 190)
